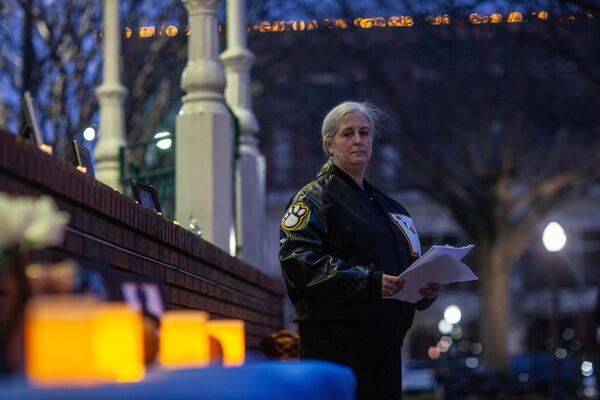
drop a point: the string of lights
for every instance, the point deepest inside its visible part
(403, 21)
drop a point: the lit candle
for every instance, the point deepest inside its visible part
(77, 340)
(58, 348)
(118, 342)
(184, 339)
(231, 335)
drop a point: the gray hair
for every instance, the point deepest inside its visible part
(331, 123)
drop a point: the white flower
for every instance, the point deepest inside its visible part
(29, 222)
(16, 214)
(48, 224)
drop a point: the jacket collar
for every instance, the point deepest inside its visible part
(344, 175)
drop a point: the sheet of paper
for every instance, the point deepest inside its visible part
(440, 264)
(457, 253)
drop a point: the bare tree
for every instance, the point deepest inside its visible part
(497, 123)
(59, 59)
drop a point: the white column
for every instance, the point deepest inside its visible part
(111, 94)
(251, 202)
(204, 133)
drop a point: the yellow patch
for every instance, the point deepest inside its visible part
(295, 216)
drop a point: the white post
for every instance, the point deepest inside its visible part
(204, 133)
(111, 94)
(251, 202)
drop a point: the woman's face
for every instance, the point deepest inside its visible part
(352, 144)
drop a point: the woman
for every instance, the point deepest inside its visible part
(343, 244)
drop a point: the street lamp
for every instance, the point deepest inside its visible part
(452, 314)
(89, 134)
(554, 239)
(165, 141)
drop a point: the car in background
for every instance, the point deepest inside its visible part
(542, 372)
(418, 379)
(460, 376)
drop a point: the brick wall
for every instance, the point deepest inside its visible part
(108, 227)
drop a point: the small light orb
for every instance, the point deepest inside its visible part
(452, 314)
(523, 377)
(515, 17)
(472, 362)
(560, 353)
(587, 368)
(476, 348)
(554, 237)
(445, 343)
(568, 334)
(433, 353)
(171, 30)
(444, 327)
(543, 15)
(496, 18)
(89, 134)
(457, 332)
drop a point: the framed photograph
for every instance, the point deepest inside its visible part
(79, 156)
(32, 129)
(145, 194)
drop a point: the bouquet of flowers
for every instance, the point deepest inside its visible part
(26, 223)
(30, 223)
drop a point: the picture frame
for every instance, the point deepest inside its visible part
(79, 156)
(31, 130)
(145, 194)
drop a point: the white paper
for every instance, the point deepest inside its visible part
(440, 264)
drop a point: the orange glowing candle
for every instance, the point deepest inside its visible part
(184, 339)
(118, 343)
(58, 348)
(231, 335)
(77, 340)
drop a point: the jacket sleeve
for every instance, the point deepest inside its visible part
(424, 303)
(313, 274)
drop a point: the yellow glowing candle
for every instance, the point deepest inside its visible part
(231, 335)
(184, 339)
(77, 340)
(58, 348)
(118, 343)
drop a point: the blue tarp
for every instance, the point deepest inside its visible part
(304, 380)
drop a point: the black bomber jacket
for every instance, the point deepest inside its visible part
(336, 241)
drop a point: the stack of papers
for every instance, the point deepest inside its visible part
(440, 264)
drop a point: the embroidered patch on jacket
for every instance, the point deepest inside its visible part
(295, 216)
(407, 227)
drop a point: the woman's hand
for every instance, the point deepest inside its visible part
(390, 285)
(432, 290)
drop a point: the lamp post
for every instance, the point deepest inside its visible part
(554, 239)
(111, 95)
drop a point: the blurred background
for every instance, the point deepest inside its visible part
(492, 133)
